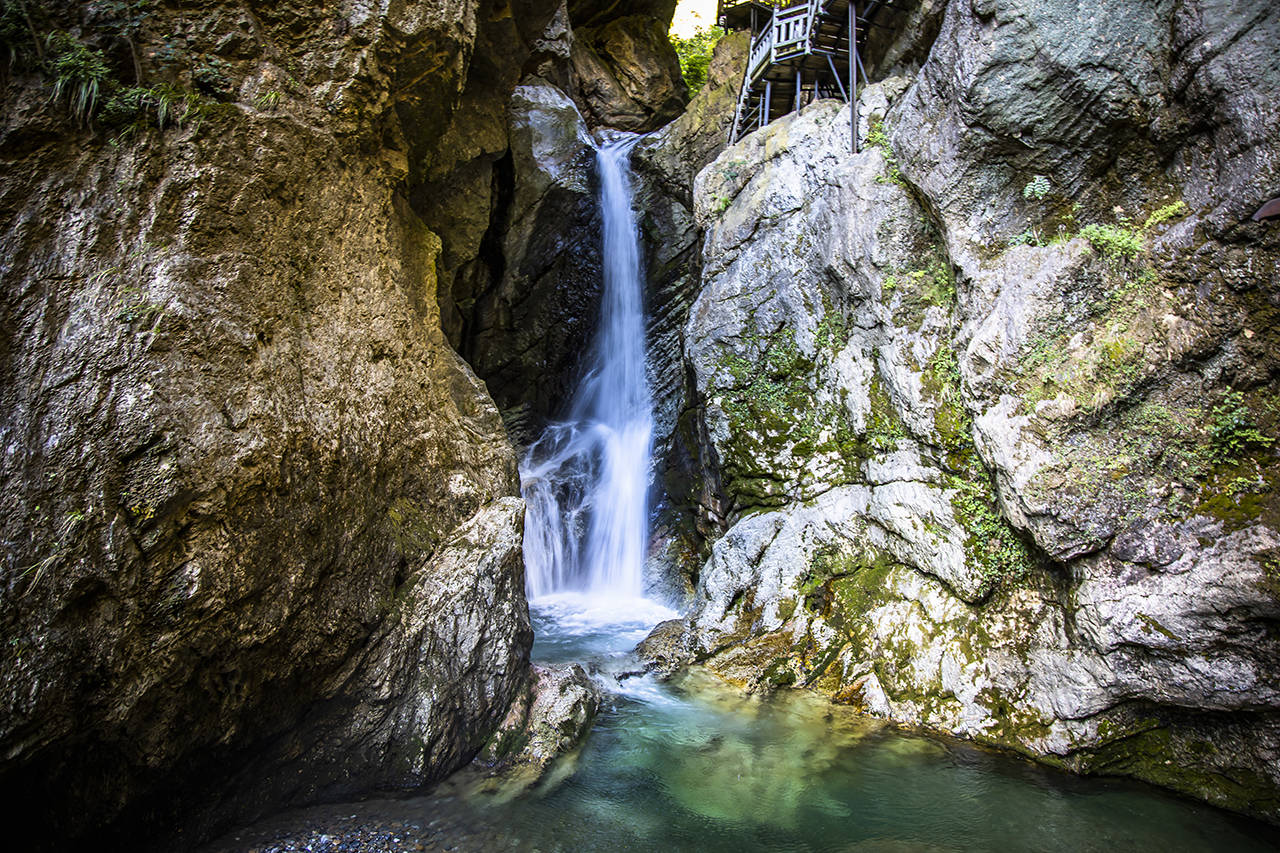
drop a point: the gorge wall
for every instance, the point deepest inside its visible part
(992, 405)
(263, 533)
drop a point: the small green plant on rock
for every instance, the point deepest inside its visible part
(1036, 189)
(1030, 237)
(136, 306)
(731, 169)
(884, 426)
(1246, 486)
(1000, 556)
(134, 107)
(1113, 242)
(79, 74)
(268, 101)
(1233, 432)
(878, 137)
(1124, 241)
(833, 332)
(1270, 563)
(1164, 214)
(58, 548)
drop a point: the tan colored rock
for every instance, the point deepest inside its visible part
(237, 442)
(627, 72)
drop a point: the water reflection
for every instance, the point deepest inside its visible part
(695, 764)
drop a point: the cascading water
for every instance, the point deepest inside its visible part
(586, 480)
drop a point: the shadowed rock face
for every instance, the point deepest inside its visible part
(627, 75)
(531, 325)
(523, 278)
(260, 539)
(998, 452)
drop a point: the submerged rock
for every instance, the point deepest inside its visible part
(666, 649)
(547, 720)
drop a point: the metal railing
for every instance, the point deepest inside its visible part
(791, 29)
(761, 52)
(788, 33)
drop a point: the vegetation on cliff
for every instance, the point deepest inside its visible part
(695, 55)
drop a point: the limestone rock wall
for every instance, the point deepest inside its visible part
(261, 543)
(525, 282)
(626, 72)
(993, 403)
(687, 501)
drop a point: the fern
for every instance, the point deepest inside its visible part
(79, 73)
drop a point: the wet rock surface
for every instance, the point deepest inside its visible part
(688, 499)
(971, 426)
(262, 543)
(528, 328)
(549, 719)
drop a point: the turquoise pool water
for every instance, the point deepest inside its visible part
(695, 765)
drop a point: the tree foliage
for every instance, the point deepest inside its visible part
(695, 55)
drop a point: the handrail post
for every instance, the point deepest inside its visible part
(853, 74)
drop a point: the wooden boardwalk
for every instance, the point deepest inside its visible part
(798, 53)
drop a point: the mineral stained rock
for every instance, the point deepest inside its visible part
(261, 539)
(992, 403)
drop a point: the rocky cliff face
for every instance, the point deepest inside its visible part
(261, 540)
(688, 505)
(626, 74)
(524, 293)
(993, 403)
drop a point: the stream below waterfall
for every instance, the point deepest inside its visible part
(696, 765)
(693, 764)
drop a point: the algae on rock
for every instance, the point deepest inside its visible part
(994, 502)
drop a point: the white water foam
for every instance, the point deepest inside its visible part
(586, 480)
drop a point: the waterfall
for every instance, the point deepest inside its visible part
(586, 480)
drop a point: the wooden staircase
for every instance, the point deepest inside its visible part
(800, 53)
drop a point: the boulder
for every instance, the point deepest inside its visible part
(550, 718)
(627, 73)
